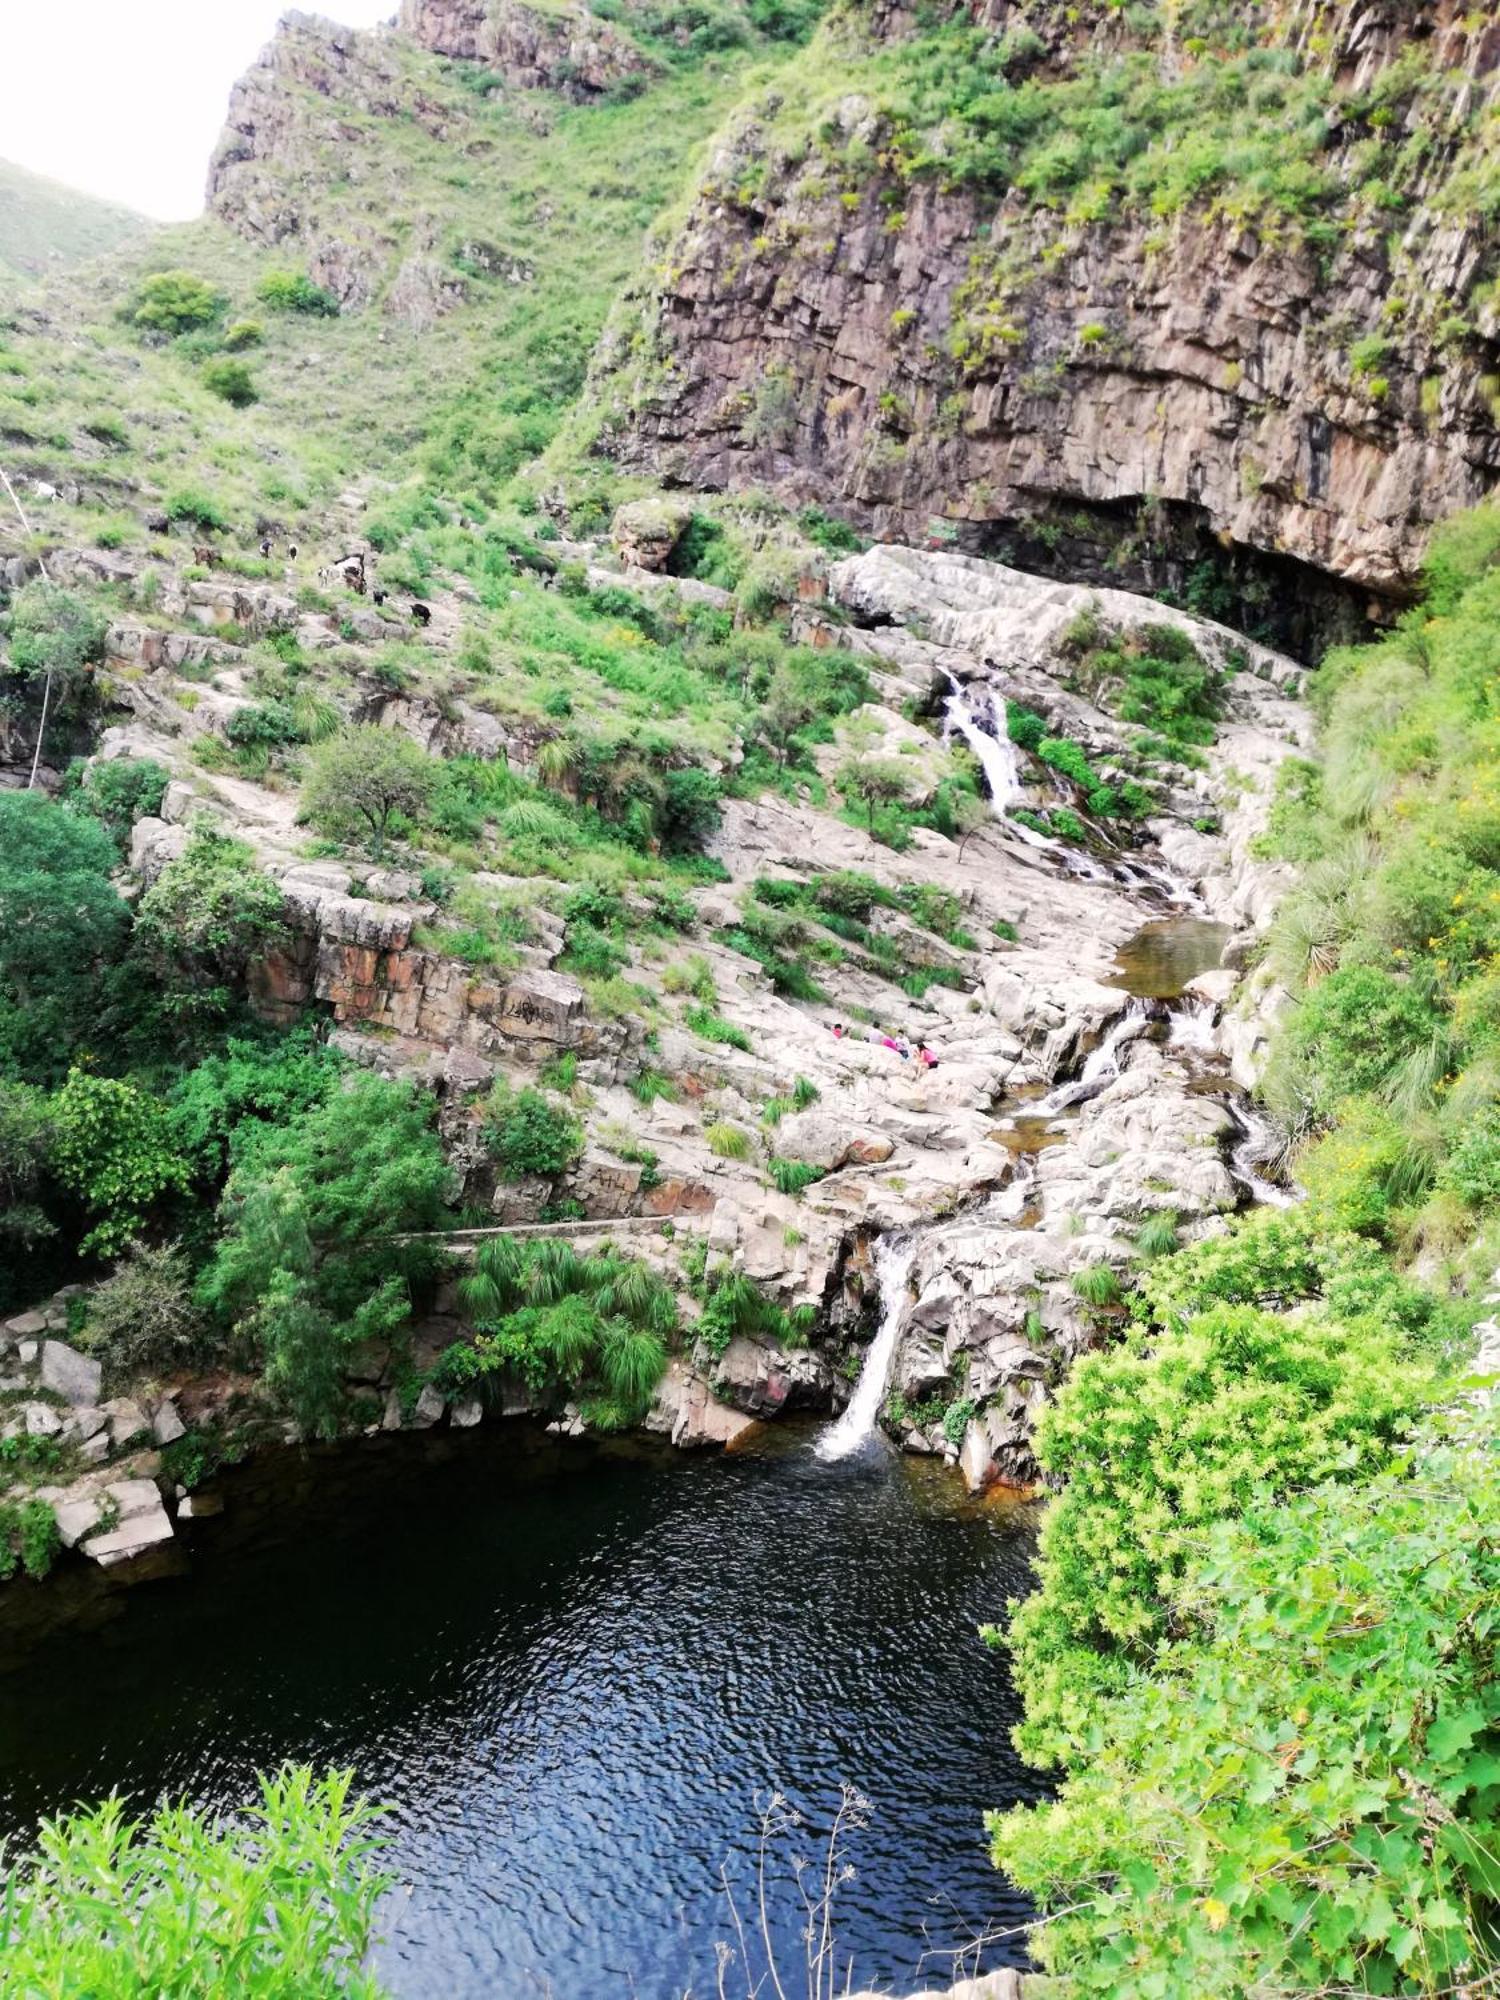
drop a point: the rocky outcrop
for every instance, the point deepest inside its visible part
(567, 49)
(945, 359)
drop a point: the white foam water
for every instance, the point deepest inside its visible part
(850, 1432)
(1103, 1066)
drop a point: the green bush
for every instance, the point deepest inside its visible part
(295, 292)
(111, 1147)
(117, 792)
(231, 381)
(174, 302)
(1299, 1794)
(61, 924)
(317, 1253)
(367, 782)
(792, 1176)
(279, 1902)
(528, 1135)
(1157, 1440)
(205, 920)
(143, 1319)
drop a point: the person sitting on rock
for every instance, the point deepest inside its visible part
(926, 1058)
(838, 1031)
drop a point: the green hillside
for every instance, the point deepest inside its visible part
(45, 226)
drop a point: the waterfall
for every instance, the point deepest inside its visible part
(893, 1261)
(998, 757)
(1251, 1153)
(1103, 1065)
(1192, 1027)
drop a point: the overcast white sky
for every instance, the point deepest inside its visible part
(124, 98)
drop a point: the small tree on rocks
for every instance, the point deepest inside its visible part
(363, 779)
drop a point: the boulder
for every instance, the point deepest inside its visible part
(166, 1425)
(467, 1412)
(141, 1523)
(429, 1409)
(68, 1373)
(127, 1421)
(645, 532)
(42, 1420)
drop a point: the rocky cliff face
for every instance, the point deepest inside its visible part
(567, 49)
(942, 357)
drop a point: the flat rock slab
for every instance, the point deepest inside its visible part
(142, 1523)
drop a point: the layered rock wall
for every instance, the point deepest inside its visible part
(942, 359)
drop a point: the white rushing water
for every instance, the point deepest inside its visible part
(1103, 1066)
(893, 1262)
(1256, 1144)
(1191, 1026)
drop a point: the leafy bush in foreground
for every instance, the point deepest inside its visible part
(277, 1906)
(1302, 1794)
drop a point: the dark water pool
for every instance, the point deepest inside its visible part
(1159, 960)
(571, 1669)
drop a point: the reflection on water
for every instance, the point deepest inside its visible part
(1158, 962)
(570, 1670)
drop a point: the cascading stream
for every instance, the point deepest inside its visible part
(1191, 1026)
(893, 1261)
(1103, 1065)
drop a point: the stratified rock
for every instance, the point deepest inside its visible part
(553, 47)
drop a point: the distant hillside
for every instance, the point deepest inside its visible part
(44, 225)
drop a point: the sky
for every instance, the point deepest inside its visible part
(125, 98)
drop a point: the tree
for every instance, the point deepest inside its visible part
(278, 1904)
(875, 781)
(311, 1264)
(689, 811)
(60, 921)
(174, 302)
(57, 638)
(208, 915)
(112, 1147)
(363, 779)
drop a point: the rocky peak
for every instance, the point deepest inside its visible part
(567, 49)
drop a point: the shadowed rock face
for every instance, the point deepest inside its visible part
(1193, 368)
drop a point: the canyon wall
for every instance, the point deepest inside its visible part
(951, 362)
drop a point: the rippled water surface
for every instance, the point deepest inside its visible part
(571, 1669)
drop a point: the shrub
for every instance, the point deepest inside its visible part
(143, 1318)
(174, 302)
(1157, 1440)
(207, 917)
(689, 811)
(1298, 1796)
(735, 1304)
(286, 1894)
(322, 1223)
(55, 632)
(242, 335)
(792, 1176)
(295, 292)
(528, 1135)
(714, 1028)
(189, 505)
(118, 792)
(231, 381)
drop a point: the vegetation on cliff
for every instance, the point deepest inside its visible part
(1262, 1650)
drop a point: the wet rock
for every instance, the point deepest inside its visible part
(429, 1408)
(466, 1412)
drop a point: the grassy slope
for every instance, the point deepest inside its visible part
(44, 225)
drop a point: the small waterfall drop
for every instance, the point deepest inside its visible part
(894, 1257)
(998, 757)
(1103, 1066)
(1191, 1026)
(1250, 1154)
